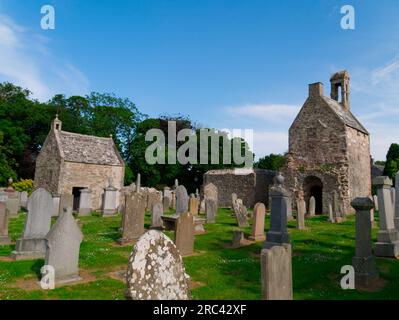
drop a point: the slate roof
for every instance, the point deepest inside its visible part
(345, 115)
(88, 149)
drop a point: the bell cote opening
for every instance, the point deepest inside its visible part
(340, 88)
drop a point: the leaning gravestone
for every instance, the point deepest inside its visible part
(4, 238)
(181, 200)
(258, 225)
(156, 270)
(32, 245)
(63, 246)
(133, 217)
(242, 216)
(156, 214)
(210, 210)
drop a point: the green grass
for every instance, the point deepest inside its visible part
(218, 272)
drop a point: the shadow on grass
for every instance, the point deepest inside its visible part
(36, 268)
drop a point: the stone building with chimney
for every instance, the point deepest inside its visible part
(69, 162)
(329, 149)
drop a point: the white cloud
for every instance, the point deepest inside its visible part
(266, 142)
(26, 60)
(267, 112)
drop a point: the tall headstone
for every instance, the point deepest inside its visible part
(300, 215)
(396, 219)
(184, 235)
(258, 224)
(276, 272)
(4, 238)
(211, 192)
(66, 201)
(193, 205)
(85, 206)
(156, 270)
(110, 206)
(156, 214)
(278, 234)
(62, 248)
(363, 261)
(210, 210)
(388, 237)
(32, 245)
(23, 199)
(181, 200)
(312, 207)
(56, 205)
(133, 218)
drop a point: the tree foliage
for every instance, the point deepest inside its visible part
(271, 162)
(392, 161)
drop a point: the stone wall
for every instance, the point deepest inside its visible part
(48, 165)
(250, 185)
(92, 176)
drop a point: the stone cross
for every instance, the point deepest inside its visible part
(276, 273)
(258, 224)
(210, 210)
(388, 237)
(156, 270)
(156, 214)
(278, 234)
(300, 215)
(4, 238)
(312, 207)
(85, 206)
(32, 245)
(363, 261)
(181, 200)
(63, 246)
(133, 218)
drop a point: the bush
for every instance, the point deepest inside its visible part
(24, 185)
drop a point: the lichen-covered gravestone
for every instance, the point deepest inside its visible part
(62, 248)
(32, 245)
(156, 270)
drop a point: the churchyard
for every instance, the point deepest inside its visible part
(216, 271)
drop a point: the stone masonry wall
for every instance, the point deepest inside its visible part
(92, 176)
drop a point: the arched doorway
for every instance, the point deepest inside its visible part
(313, 187)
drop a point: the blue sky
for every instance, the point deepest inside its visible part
(225, 63)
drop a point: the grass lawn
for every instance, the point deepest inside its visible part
(216, 272)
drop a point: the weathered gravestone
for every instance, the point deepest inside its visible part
(166, 204)
(375, 199)
(300, 215)
(241, 215)
(312, 207)
(85, 206)
(23, 199)
(363, 261)
(210, 210)
(193, 205)
(56, 205)
(211, 192)
(4, 238)
(388, 237)
(156, 270)
(330, 213)
(183, 226)
(238, 239)
(393, 196)
(233, 200)
(337, 212)
(202, 206)
(181, 200)
(258, 225)
(13, 204)
(156, 214)
(133, 217)
(173, 200)
(199, 225)
(276, 271)
(66, 201)
(110, 206)
(153, 196)
(32, 245)
(62, 248)
(278, 234)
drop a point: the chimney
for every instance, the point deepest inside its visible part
(340, 81)
(316, 89)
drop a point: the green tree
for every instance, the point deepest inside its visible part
(271, 162)
(392, 161)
